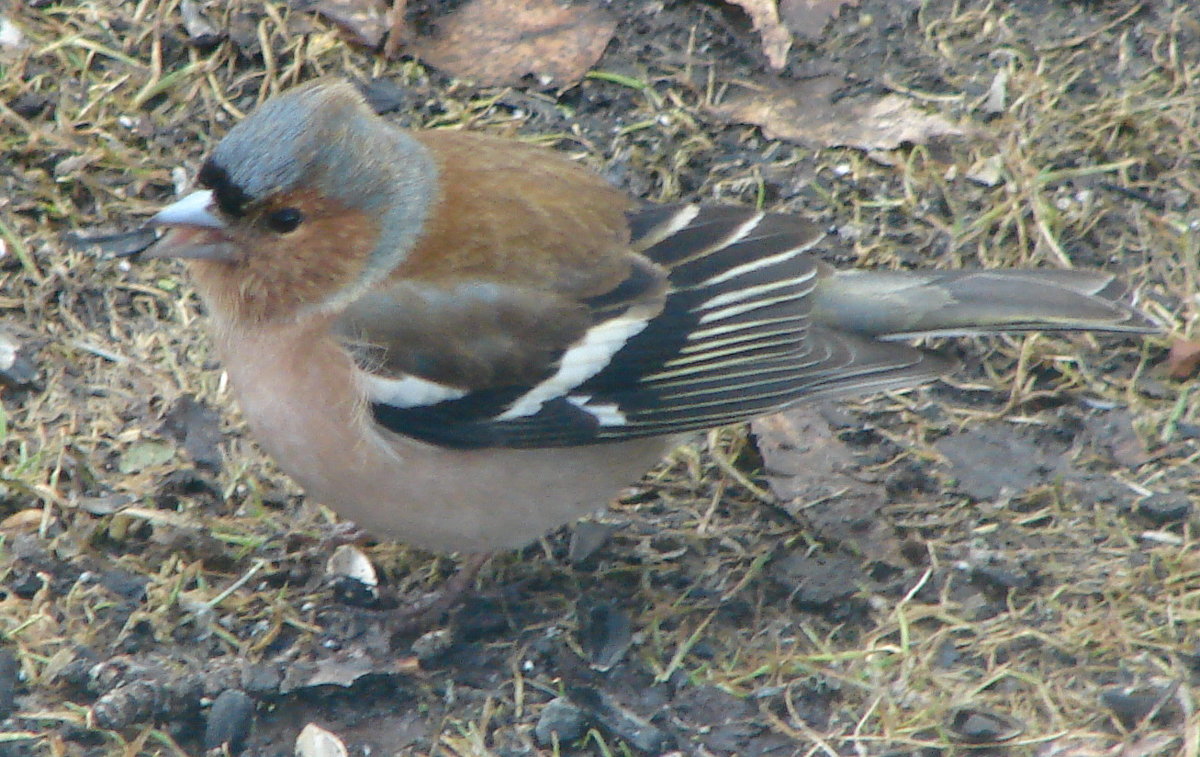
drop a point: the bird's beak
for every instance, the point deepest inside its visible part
(194, 230)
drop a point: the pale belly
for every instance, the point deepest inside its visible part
(298, 393)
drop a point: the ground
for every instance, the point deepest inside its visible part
(1008, 558)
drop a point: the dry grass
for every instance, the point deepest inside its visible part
(108, 559)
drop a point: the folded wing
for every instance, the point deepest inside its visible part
(722, 314)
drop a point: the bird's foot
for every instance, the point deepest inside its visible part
(418, 617)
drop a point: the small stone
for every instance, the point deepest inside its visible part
(16, 368)
(612, 716)
(562, 720)
(975, 725)
(431, 646)
(586, 540)
(1165, 508)
(1133, 705)
(10, 673)
(229, 721)
(1002, 579)
(605, 633)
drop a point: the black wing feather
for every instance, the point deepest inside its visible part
(733, 340)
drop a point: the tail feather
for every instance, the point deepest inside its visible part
(907, 304)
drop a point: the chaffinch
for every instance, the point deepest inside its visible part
(461, 342)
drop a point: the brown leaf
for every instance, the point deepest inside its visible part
(364, 21)
(804, 112)
(23, 521)
(1111, 434)
(808, 468)
(496, 42)
(776, 39)
(1183, 359)
(807, 18)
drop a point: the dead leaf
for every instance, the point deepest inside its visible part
(808, 468)
(805, 112)
(776, 39)
(343, 668)
(197, 427)
(987, 171)
(496, 42)
(144, 454)
(365, 21)
(808, 18)
(972, 455)
(1183, 359)
(820, 580)
(200, 30)
(1112, 435)
(29, 521)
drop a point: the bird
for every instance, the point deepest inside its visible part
(461, 342)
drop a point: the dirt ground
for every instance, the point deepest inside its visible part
(1006, 562)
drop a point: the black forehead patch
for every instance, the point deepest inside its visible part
(230, 197)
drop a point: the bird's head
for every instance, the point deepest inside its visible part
(307, 202)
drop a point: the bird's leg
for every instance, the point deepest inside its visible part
(397, 31)
(419, 616)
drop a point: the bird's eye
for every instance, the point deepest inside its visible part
(284, 220)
